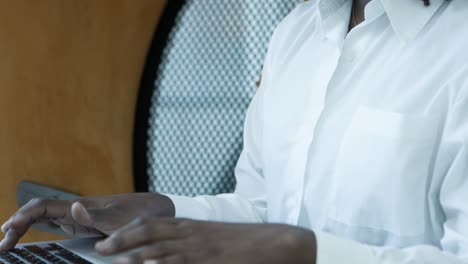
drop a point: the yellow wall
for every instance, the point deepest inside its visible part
(69, 76)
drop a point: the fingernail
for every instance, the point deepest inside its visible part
(2, 244)
(105, 246)
(101, 246)
(83, 208)
(83, 214)
(4, 228)
(79, 206)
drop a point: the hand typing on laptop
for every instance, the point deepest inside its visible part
(145, 223)
(92, 216)
(186, 241)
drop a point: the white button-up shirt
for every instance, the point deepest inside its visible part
(360, 136)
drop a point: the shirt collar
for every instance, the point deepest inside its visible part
(334, 18)
(407, 17)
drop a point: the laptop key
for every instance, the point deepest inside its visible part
(8, 257)
(30, 258)
(38, 251)
(69, 256)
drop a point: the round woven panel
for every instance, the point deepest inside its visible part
(206, 80)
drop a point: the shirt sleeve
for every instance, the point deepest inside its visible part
(452, 164)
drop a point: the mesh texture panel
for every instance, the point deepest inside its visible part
(205, 82)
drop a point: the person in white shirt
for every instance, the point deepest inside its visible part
(355, 151)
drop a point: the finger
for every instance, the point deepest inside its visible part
(81, 215)
(87, 203)
(10, 240)
(139, 233)
(39, 209)
(36, 210)
(7, 225)
(154, 252)
(104, 220)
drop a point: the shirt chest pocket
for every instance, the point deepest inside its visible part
(381, 172)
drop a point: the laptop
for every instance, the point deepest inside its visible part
(75, 251)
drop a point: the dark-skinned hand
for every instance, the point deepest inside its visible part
(181, 241)
(91, 216)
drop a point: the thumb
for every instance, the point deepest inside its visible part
(81, 215)
(100, 219)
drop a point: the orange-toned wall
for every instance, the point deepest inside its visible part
(69, 76)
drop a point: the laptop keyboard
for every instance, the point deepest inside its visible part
(51, 253)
